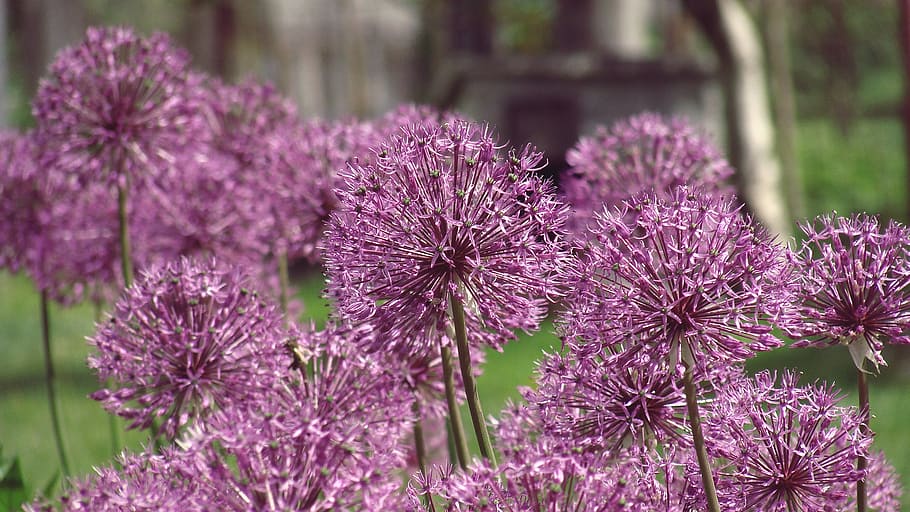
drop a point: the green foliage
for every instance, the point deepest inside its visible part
(13, 492)
(862, 171)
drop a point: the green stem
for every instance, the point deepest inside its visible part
(49, 382)
(470, 385)
(112, 423)
(448, 377)
(284, 281)
(863, 385)
(707, 479)
(125, 255)
(419, 443)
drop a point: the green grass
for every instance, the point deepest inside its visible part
(861, 171)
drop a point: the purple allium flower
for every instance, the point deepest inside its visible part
(327, 440)
(605, 404)
(246, 117)
(788, 447)
(641, 154)
(541, 472)
(187, 338)
(115, 105)
(686, 278)
(883, 486)
(307, 161)
(65, 238)
(854, 286)
(143, 483)
(21, 198)
(204, 212)
(442, 213)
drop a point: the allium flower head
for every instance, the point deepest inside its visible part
(641, 154)
(327, 440)
(789, 448)
(442, 212)
(184, 340)
(306, 164)
(114, 105)
(22, 197)
(854, 286)
(140, 483)
(687, 278)
(246, 117)
(608, 404)
(542, 472)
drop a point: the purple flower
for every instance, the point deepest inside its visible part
(788, 447)
(206, 211)
(64, 237)
(442, 213)
(21, 199)
(641, 154)
(326, 440)
(115, 105)
(686, 278)
(854, 286)
(543, 472)
(607, 405)
(306, 163)
(883, 486)
(142, 483)
(186, 339)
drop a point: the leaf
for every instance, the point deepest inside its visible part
(12, 486)
(48, 490)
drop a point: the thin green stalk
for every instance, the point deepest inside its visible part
(284, 280)
(49, 382)
(448, 377)
(707, 479)
(421, 448)
(419, 443)
(470, 385)
(113, 425)
(126, 257)
(863, 385)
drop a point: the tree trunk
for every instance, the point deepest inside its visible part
(750, 130)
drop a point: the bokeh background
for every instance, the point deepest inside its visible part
(806, 96)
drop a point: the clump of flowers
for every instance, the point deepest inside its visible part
(644, 154)
(788, 447)
(442, 213)
(188, 338)
(115, 105)
(854, 286)
(686, 279)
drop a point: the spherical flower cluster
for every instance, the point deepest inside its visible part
(686, 279)
(544, 472)
(641, 154)
(306, 163)
(21, 199)
(140, 483)
(115, 105)
(186, 339)
(65, 238)
(245, 118)
(441, 214)
(788, 447)
(205, 211)
(607, 405)
(854, 286)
